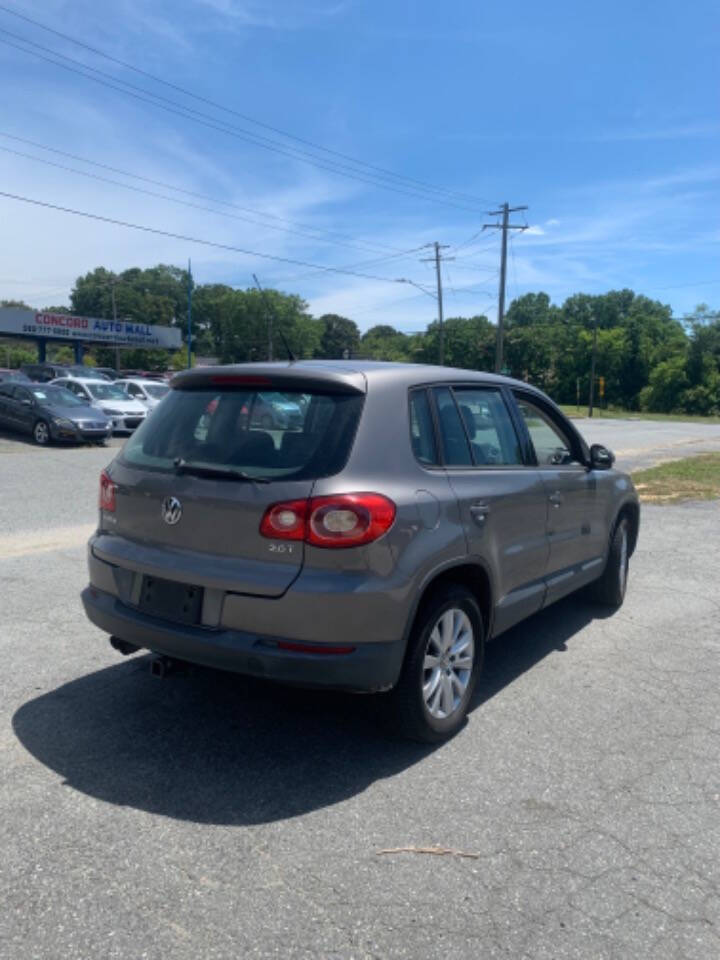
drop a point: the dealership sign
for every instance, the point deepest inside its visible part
(61, 326)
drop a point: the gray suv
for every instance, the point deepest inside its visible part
(411, 514)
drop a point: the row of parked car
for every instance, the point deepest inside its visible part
(77, 404)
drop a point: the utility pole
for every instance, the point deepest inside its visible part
(505, 211)
(269, 314)
(592, 367)
(438, 259)
(189, 317)
(114, 311)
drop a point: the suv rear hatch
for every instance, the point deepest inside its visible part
(189, 491)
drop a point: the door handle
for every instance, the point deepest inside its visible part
(479, 512)
(555, 499)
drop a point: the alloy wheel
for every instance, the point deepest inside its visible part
(448, 663)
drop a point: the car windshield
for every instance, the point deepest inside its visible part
(58, 396)
(156, 390)
(88, 372)
(106, 391)
(230, 428)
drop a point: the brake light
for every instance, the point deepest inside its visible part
(235, 379)
(345, 520)
(107, 493)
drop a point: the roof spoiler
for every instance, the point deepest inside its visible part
(271, 377)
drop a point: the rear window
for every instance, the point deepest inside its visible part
(288, 435)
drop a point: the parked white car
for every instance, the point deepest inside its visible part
(125, 412)
(148, 392)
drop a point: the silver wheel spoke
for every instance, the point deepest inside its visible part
(430, 662)
(432, 684)
(434, 699)
(459, 621)
(456, 684)
(446, 630)
(461, 645)
(447, 695)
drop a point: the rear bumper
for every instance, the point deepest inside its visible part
(370, 667)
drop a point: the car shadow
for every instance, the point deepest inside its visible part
(212, 747)
(25, 440)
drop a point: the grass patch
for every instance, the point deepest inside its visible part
(695, 478)
(615, 413)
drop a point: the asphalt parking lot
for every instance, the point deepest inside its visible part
(208, 816)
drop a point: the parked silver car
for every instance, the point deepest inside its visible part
(148, 392)
(415, 513)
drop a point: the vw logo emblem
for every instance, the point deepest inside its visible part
(171, 510)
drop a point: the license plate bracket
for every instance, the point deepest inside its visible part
(170, 600)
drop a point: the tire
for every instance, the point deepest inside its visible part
(41, 433)
(427, 714)
(610, 588)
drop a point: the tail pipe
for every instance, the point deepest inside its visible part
(123, 646)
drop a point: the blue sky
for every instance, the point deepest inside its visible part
(603, 118)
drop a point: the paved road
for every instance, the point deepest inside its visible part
(207, 816)
(643, 443)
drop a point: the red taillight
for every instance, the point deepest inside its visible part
(346, 520)
(238, 380)
(285, 521)
(107, 493)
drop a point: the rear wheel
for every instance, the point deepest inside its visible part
(41, 433)
(442, 664)
(610, 588)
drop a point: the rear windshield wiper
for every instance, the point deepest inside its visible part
(222, 473)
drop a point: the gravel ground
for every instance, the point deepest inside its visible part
(209, 816)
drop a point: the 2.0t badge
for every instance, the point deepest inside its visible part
(171, 510)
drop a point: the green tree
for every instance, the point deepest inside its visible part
(469, 343)
(668, 380)
(17, 304)
(340, 337)
(384, 342)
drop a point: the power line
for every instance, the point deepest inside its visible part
(206, 120)
(192, 193)
(187, 239)
(400, 255)
(242, 116)
(184, 203)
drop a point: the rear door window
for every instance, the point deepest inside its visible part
(493, 441)
(290, 435)
(422, 431)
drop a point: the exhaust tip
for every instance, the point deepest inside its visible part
(123, 646)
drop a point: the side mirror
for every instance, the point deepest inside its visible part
(600, 457)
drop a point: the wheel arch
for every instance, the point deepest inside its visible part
(472, 574)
